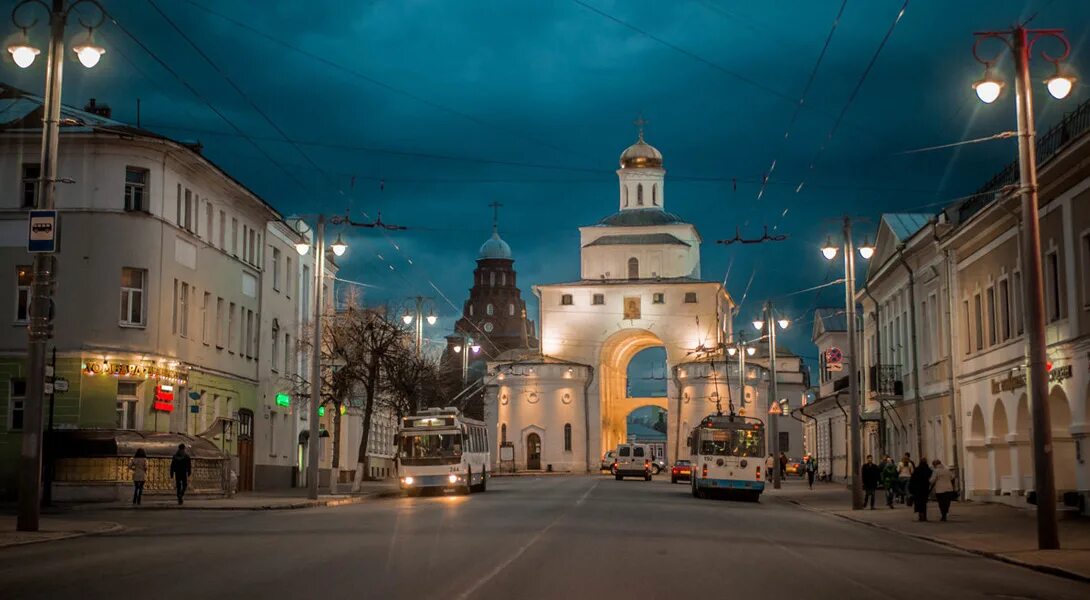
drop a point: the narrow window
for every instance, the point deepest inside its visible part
(599, 299)
(633, 268)
(978, 324)
(625, 192)
(234, 236)
(1004, 310)
(1053, 299)
(567, 437)
(24, 275)
(276, 269)
(1085, 269)
(180, 208)
(990, 299)
(471, 310)
(489, 310)
(690, 297)
(492, 279)
(287, 276)
(188, 212)
(503, 278)
(219, 322)
(29, 184)
(275, 343)
(183, 310)
(654, 194)
(127, 397)
(503, 433)
(223, 230)
(565, 300)
(256, 331)
(174, 310)
(511, 310)
(231, 329)
(966, 331)
(136, 184)
(206, 319)
(210, 218)
(639, 194)
(658, 298)
(16, 403)
(1016, 297)
(289, 367)
(132, 296)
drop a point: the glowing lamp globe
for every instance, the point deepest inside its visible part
(23, 54)
(988, 90)
(1060, 85)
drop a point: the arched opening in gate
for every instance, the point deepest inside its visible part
(633, 362)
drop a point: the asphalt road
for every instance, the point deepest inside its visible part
(547, 537)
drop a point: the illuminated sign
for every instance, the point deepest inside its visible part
(283, 400)
(164, 398)
(133, 370)
(321, 411)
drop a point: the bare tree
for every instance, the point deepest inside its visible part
(376, 338)
(412, 381)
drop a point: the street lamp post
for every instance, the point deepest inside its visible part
(40, 327)
(773, 390)
(866, 251)
(741, 349)
(418, 318)
(467, 346)
(1020, 41)
(338, 247)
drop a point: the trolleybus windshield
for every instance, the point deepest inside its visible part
(732, 442)
(431, 447)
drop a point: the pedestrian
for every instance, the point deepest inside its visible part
(942, 483)
(783, 466)
(770, 463)
(919, 485)
(811, 470)
(870, 474)
(139, 467)
(889, 479)
(904, 473)
(181, 467)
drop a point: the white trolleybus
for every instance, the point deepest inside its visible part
(442, 450)
(728, 453)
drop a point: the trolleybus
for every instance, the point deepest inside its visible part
(728, 453)
(440, 449)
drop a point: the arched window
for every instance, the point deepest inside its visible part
(639, 195)
(633, 268)
(625, 193)
(492, 279)
(471, 310)
(503, 433)
(655, 194)
(567, 437)
(503, 278)
(489, 310)
(510, 310)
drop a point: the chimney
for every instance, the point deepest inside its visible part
(102, 110)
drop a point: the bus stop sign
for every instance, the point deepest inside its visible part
(42, 231)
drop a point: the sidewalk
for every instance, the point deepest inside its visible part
(51, 529)
(993, 530)
(294, 498)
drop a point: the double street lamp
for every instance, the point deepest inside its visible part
(773, 392)
(465, 348)
(419, 318)
(23, 53)
(1020, 42)
(829, 251)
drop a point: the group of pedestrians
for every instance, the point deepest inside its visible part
(181, 467)
(909, 482)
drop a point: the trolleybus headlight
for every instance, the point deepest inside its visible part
(743, 463)
(452, 478)
(408, 481)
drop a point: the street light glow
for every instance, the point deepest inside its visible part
(731, 351)
(475, 348)
(829, 250)
(339, 247)
(302, 248)
(432, 319)
(88, 52)
(23, 53)
(758, 324)
(784, 323)
(1060, 85)
(406, 318)
(751, 350)
(457, 349)
(988, 89)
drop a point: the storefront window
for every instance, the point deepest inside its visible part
(127, 398)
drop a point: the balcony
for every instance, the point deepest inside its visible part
(885, 382)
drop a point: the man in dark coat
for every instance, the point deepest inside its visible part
(919, 485)
(870, 473)
(181, 467)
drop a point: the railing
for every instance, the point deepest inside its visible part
(1071, 126)
(885, 380)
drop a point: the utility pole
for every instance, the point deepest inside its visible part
(853, 375)
(774, 399)
(313, 444)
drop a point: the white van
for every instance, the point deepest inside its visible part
(633, 460)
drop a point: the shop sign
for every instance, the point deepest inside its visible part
(1058, 374)
(134, 370)
(164, 398)
(1013, 382)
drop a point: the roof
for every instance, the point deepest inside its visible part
(641, 282)
(637, 239)
(495, 247)
(641, 155)
(832, 319)
(640, 217)
(905, 225)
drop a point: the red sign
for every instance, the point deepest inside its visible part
(164, 398)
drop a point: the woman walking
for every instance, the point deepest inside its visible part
(942, 483)
(139, 467)
(919, 485)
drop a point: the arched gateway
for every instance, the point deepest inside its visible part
(640, 287)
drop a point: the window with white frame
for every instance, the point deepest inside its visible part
(206, 319)
(1017, 303)
(181, 308)
(210, 217)
(289, 362)
(223, 230)
(924, 333)
(231, 329)
(966, 331)
(511, 310)
(978, 323)
(275, 344)
(598, 299)
(990, 305)
(28, 185)
(219, 322)
(16, 403)
(24, 275)
(133, 284)
(234, 236)
(936, 328)
(189, 223)
(127, 399)
(1004, 309)
(276, 269)
(287, 276)
(136, 189)
(658, 298)
(489, 309)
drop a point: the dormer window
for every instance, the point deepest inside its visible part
(633, 268)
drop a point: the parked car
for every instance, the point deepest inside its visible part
(658, 466)
(681, 471)
(607, 461)
(633, 460)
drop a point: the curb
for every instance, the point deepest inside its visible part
(1047, 569)
(333, 502)
(113, 528)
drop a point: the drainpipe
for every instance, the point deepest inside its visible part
(915, 351)
(878, 365)
(847, 433)
(586, 413)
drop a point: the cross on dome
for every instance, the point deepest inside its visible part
(495, 247)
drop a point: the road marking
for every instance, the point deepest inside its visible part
(522, 550)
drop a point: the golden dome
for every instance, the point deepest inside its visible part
(641, 155)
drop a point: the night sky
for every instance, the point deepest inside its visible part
(455, 105)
